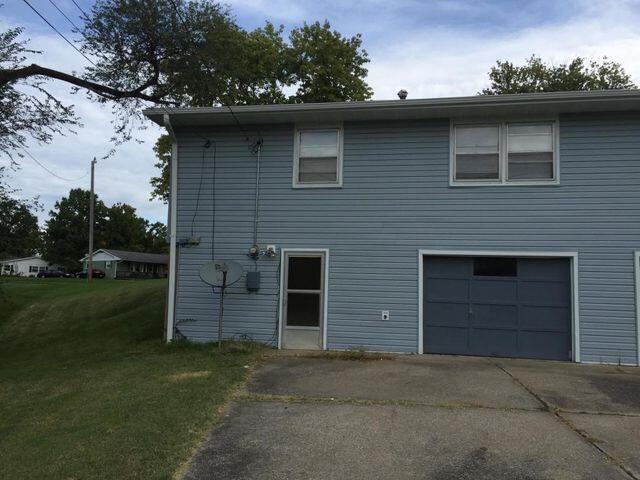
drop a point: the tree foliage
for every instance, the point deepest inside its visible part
(66, 235)
(174, 53)
(536, 76)
(318, 62)
(19, 230)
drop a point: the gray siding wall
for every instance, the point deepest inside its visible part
(396, 199)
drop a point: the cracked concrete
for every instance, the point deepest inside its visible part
(428, 417)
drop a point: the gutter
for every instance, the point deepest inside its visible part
(580, 100)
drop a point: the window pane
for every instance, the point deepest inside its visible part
(319, 143)
(475, 140)
(305, 273)
(495, 267)
(303, 309)
(318, 170)
(531, 166)
(530, 138)
(477, 167)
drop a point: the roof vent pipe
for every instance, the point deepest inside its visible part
(402, 94)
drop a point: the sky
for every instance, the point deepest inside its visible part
(430, 48)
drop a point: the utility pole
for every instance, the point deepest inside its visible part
(91, 222)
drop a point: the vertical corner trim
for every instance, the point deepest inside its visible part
(173, 200)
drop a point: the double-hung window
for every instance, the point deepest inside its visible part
(318, 157)
(504, 153)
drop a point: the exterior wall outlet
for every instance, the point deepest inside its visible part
(384, 315)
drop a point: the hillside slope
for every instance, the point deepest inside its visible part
(89, 390)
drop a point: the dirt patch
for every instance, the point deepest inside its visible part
(353, 355)
(177, 377)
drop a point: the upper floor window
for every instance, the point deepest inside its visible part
(504, 153)
(318, 157)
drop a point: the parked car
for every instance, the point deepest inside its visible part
(97, 273)
(50, 274)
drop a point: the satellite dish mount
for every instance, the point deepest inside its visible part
(221, 274)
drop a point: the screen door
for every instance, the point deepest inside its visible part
(303, 300)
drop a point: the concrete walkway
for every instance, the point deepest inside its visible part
(428, 417)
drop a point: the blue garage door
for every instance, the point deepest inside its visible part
(503, 307)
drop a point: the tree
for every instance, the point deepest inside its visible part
(326, 66)
(19, 231)
(66, 236)
(123, 229)
(536, 76)
(156, 238)
(160, 184)
(172, 53)
(319, 61)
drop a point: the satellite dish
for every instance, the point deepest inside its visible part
(221, 273)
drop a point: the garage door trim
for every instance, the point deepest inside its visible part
(572, 256)
(636, 269)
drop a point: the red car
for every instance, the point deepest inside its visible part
(97, 273)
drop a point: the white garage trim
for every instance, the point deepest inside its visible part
(573, 256)
(636, 269)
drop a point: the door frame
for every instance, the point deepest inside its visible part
(573, 265)
(325, 300)
(636, 270)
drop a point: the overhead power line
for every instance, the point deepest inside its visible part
(59, 33)
(49, 171)
(64, 15)
(80, 8)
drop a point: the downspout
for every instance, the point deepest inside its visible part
(172, 221)
(257, 195)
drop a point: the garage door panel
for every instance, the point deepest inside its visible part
(548, 319)
(546, 269)
(545, 293)
(448, 314)
(446, 339)
(544, 346)
(448, 267)
(494, 316)
(495, 343)
(499, 291)
(481, 307)
(447, 289)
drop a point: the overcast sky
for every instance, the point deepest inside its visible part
(430, 48)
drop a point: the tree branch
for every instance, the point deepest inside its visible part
(11, 75)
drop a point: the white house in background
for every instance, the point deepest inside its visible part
(124, 264)
(25, 267)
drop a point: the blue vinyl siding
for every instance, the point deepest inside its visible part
(395, 200)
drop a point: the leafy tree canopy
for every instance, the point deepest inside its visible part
(319, 61)
(174, 53)
(66, 235)
(19, 231)
(536, 76)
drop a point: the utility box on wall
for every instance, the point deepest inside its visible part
(253, 281)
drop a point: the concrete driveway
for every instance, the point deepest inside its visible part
(428, 417)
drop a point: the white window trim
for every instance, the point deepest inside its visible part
(575, 294)
(503, 153)
(296, 151)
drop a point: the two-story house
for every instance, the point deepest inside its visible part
(487, 225)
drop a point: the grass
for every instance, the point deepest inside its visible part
(88, 390)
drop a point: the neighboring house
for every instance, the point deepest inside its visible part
(489, 225)
(26, 266)
(123, 264)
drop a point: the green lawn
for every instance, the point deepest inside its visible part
(89, 390)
